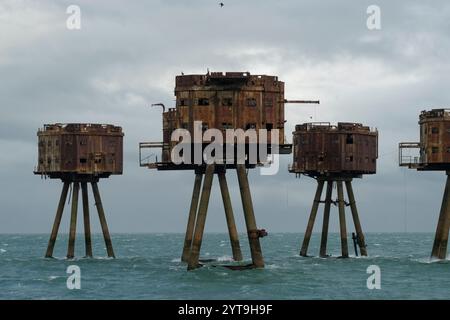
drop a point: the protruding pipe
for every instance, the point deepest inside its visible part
(57, 222)
(73, 221)
(249, 214)
(87, 223)
(359, 233)
(312, 218)
(101, 216)
(343, 227)
(201, 218)
(192, 216)
(326, 219)
(442, 230)
(232, 231)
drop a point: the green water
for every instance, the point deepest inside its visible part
(148, 267)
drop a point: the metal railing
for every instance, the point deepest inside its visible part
(410, 161)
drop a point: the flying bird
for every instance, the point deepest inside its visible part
(221, 4)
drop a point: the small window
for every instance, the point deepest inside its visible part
(56, 142)
(182, 102)
(41, 161)
(448, 149)
(83, 160)
(251, 102)
(269, 126)
(49, 160)
(434, 150)
(83, 142)
(227, 125)
(268, 102)
(349, 159)
(49, 143)
(227, 102)
(203, 102)
(349, 139)
(250, 126)
(320, 158)
(97, 160)
(434, 130)
(184, 125)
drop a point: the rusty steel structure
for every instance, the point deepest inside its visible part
(334, 154)
(79, 154)
(433, 155)
(216, 100)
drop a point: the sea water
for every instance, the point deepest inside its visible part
(148, 266)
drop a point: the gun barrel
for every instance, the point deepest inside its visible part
(301, 101)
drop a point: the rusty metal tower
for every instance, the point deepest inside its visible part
(434, 155)
(334, 154)
(79, 154)
(231, 100)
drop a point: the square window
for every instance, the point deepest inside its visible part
(251, 102)
(227, 102)
(434, 130)
(203, 102)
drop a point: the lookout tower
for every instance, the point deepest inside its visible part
(433, 155)
(226, 102)
(334, 154)
(79, 154)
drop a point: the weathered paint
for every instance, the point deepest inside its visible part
(81, 149)
(345, 148)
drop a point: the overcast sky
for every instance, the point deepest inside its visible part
(127, 54)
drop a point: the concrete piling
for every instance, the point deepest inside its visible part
(87, 224)
(193, 262)
(232, 231)
(355, 215)
(343, 227)
(249, 215)
(57, 222)
(192, 217)
(73, 221)
(104, 225)
(312, 218)
(442, 230)
(326, 219)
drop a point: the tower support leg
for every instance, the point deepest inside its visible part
(73, 221)
(87, 223)
(232, 231)
(441, 238)
(192, 216)
(326, 219)
(201, 218)
(312, 218)
(355, 215)
(343, 227)
(57, 222)
(249, 215)
(101, 216)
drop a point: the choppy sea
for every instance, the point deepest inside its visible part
(148, 266)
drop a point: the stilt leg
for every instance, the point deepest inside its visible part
(87, 224)
(343, 227)
(201, 218)
(358, 229)
(192, 216)
(234, 237)
(442, 230)
(57, 222)
(249, 214)
(101, 216)
(312, 218)
(73, 221)
(326, 219)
